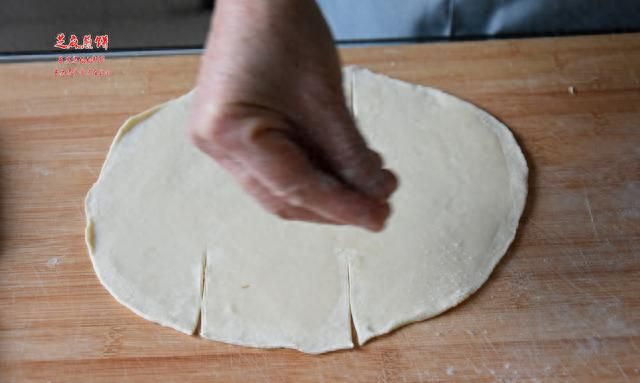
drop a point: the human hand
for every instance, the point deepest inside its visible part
(270, 109)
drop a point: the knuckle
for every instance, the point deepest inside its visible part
(218, 129)
(284, 213)
(295, 195)
(272, 204)
(224, 132)
(361, 165)
(375, 160)
(195, 134)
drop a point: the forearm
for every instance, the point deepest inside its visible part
(256, 43)
(262, 14)
(252, 20)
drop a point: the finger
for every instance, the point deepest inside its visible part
(281, 166)
(266, 199)
(293, 213)
(366, 173)
(279, 206)
(347, 154)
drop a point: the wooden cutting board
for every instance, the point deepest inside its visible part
(562, 306)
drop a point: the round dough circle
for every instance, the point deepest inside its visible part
(172, 236)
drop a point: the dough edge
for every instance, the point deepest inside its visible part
(105, 279)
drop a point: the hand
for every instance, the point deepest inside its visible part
(270, 109)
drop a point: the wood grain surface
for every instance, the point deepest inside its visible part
(562, 306)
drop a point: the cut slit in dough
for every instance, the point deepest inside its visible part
(162, 216)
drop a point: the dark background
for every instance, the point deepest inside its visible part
(30, 26)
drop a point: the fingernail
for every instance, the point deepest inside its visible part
(374, 220)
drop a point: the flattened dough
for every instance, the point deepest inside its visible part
(463, 187)
(174, 238)
(145, 241)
